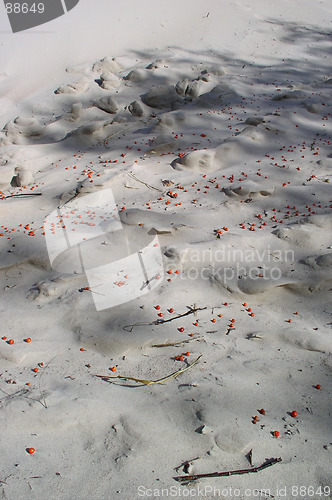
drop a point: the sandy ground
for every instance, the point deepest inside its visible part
(157, 207)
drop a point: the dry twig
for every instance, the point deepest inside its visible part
(150, 382)
(192, 310)
(268, 463)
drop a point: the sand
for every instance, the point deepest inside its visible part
(138, 185)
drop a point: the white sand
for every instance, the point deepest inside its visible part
(220, 152)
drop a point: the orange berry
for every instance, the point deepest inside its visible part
(231, 325)
(113, 369)
(31, 451)
(213, 320)
(276, 434)
(249, 309)
(35, 370)
(180, 358)
(219, 315)
(81, 349)
(196, 324)
(11, 342)
(187, 353)
(161, 314)
(4, 338)
(252, 315)
(27, 340)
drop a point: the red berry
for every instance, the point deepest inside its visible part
(157, 307)
(262, 411)
(276, 434)
(181, 329)
(31, 451)
(294, 414)
(318, 386)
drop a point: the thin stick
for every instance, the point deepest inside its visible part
(20, 195)
(145, 183)
(179, 342)
(265, 465)
(152, 382)
(192, 310)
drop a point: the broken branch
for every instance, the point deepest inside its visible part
(268, 463)
(151, 382)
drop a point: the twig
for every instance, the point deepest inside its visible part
(77, 192)
(21, 394)
(179, 342)
(152, 382)
(185, 465)
(192, 310)
(19, 195)
(268, 463)
(142, 182)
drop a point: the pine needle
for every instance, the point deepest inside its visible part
(151, 382)
(179, 342)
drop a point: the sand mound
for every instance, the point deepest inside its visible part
(107, 104)
(107, 64)
(74, 88)
(161, 97)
